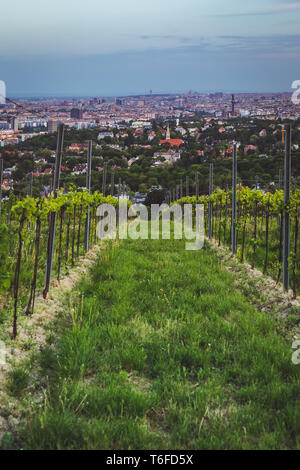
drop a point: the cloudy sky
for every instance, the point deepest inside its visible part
(100, 47)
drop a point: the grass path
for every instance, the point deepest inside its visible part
(159, 349)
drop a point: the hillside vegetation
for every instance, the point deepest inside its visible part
(160, 349)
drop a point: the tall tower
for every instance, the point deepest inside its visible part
(168, 134)
(2, 92)
(232, 105)
(52, 125)
(15, 124)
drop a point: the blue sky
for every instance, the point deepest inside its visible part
(97, 47)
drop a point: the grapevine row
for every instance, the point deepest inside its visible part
(259, 225)
(25, 243)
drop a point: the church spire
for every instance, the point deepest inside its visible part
(168, 134)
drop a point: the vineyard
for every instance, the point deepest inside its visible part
(30, 258)
(259, 227)
(158, 349)
(27, 261)
(26, 227)
(153, 348)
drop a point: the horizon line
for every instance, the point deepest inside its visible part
(132, 95)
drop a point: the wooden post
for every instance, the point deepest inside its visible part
(31, 184)
(119, 188)
(280, 180)
(55, 187)
(88, 187)
(112, 183)
(1, 182)
(279, 188)
(211, 169)
(197, 184)
(104, 179)
(286, 217)
(233, 214)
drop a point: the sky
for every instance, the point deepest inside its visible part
(108, 48)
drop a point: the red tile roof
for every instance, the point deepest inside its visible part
(172, 142)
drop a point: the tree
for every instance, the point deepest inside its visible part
(155, 197)
(142, 188)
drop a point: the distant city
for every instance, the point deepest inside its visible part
(21, 119)
(146, 141)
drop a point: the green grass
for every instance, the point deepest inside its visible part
(160, 350)
(18, 381)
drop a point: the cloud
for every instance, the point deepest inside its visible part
(232, 63)
(182, 39)
(259, 45)
(280, 43)
(282, 8)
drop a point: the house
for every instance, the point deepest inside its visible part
(7, 184)
(182, 130)
(74, 147)
(230, 150)
(115, 146)
(249, 147)
(102, 135)
(79, 169)
(41, 161)
(151, 136)
(132, 160)
(138, 132)
(8, 172)
(193, 131)
(172, 142)
(169, 157)
(139, 198)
